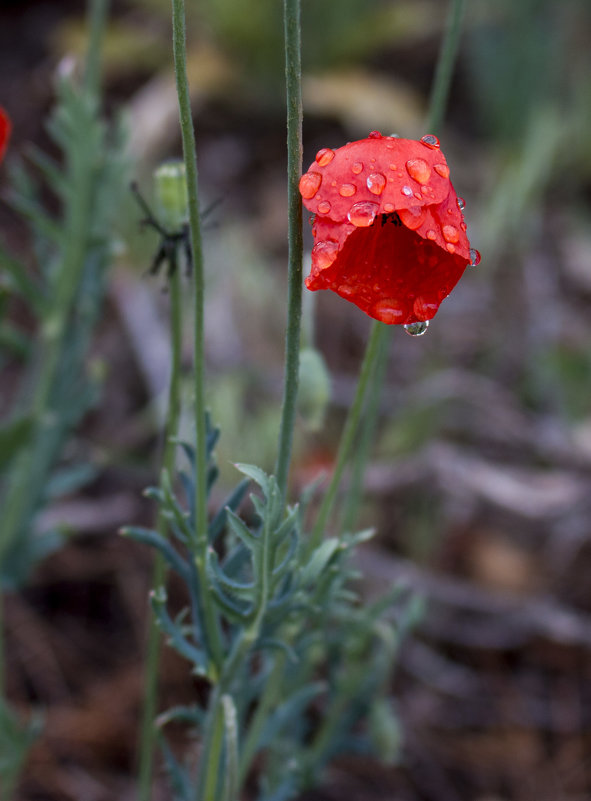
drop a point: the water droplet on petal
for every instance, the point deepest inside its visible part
(324, 156)
(450, 233)
(419, 170)
(442, 169)
(474, 257)
(461, 203)
(431, 141)
(347, 190)
(310, 184)
(324, 253)
(376, 183)
(417, 329)
(412, 218)
(451, 248)
(357, 167)
(406, 190)
(425, 307)
(390, 311)
(431, 234)
(375, 135)
(363, 214)
(394, 136)
(463, 226)
(389, 207)
(324, 207)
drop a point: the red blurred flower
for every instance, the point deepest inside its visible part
(389, 230)
(5, 128)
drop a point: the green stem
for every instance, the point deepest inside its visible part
(2, 655)
(236, 659)
(148, 732)
(255, 728)
(211, 633)
(445, 65)
(366, 438)
(214, 752)
(293, 76)
(378, 334)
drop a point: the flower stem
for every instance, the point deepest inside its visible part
(378, 333)
(445, 65)
(366, 437)
(293, 78)
(199, 545)
(148, 731)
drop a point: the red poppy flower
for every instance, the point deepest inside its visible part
(388, 227)
(5, 128)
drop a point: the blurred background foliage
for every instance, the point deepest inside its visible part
(481, 475)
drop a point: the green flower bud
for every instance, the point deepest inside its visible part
(314, 391)
(385, 731)
(170, 183)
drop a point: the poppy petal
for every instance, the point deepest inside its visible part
(389, 231)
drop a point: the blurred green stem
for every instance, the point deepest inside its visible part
(267, 702)
(445, 65)
(2, 661)
(148, 730)
(293, 79)
(437, 103)
(366, 437)
(211, 632)
(379, 332)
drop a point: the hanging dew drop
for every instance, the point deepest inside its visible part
(431, 141)
(461, 203)
(416, 329)
(474, 257)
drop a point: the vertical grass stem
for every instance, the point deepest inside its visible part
(148, 732)
(211, 624)
(293, 79)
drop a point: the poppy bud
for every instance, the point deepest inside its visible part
(389, 231)
(385, 731)
(170, 183)
(314, 388)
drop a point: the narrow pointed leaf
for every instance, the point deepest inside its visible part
(256, 474)
(232, 502)
(177, 641)
(243, 591)
(149, 537)
(320, 559)
(242, 531)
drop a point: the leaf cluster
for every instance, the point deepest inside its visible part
(304, 662)
(62, 293)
